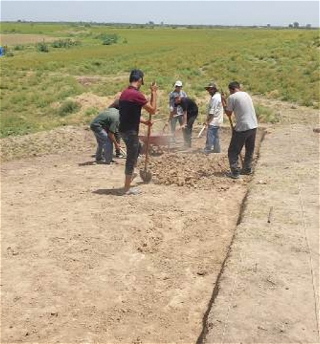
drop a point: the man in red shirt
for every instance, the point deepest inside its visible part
(131, 103)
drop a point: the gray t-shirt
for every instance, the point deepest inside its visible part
(242, 106)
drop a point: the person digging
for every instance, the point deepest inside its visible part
(131, 102)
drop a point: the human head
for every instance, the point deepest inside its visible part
(234, 86)
(178, 85)
(136, 75)
(212, 87)
(176, 97)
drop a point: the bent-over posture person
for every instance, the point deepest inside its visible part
(104, 127)
(190, 113)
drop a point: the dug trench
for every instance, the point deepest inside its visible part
(81, 264)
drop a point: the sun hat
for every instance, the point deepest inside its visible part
(212, 84)
(178, 83)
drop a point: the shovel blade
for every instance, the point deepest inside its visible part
(146, 176)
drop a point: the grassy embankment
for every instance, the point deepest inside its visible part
(38, 89)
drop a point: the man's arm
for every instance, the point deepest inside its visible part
(113, 139)
(224, 105)
(151, 106)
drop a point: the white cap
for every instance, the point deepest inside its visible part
(178, 83)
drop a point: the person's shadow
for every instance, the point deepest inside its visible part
(87, 163)
(113, 192)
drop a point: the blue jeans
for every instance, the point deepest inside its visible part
(131, 140)
(174, 121)
(105, 145)
(213, 139)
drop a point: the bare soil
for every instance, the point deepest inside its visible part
(82, 264)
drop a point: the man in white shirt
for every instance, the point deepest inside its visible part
(214, 119)
(244, 132)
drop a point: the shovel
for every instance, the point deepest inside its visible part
(201, 131)
(145, 175)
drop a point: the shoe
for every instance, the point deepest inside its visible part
(120, 156)
(246, 172)
(100, 161)
(206, 151)
(103, 162)
(233, 175)
(132, 191)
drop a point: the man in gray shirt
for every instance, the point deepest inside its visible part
(244, 132)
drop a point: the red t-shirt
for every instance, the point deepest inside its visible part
(130, 105)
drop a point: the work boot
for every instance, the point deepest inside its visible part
(246, 171)
(233, 175)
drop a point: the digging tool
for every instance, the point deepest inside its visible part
(201, 131)
(144, 174)
(123, 152)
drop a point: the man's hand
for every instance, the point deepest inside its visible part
(154, 87)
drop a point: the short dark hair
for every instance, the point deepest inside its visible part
(233, 85)
(136, 75)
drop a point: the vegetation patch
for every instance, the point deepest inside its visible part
(276, 63)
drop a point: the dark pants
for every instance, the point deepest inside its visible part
(131, 140)
(239, 139)
(187, 132)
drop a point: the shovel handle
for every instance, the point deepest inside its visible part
(147, 144)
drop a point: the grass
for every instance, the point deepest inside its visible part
(280, 64)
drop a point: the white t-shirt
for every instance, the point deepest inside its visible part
(215, 108)
(242, 106)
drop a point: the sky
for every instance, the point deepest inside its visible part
(243, 13)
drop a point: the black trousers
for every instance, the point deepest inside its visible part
(187, 132)
(238, 140)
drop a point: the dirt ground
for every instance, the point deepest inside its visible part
(81, 264)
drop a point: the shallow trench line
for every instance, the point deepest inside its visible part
(306, 237)
(202, 336)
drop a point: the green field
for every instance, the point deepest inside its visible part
(39, 82)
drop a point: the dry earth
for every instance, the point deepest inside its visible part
(81, 264)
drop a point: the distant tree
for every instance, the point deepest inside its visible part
(290, 25)
(308, 26)
(268, 25)
(296, 25)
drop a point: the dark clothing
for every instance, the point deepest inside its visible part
(187, 132)
(131, 141)
(130, 105)
(190, 106)
(107, 120)
(239, 139)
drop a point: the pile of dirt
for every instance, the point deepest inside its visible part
(190, 169)
(56, 141)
